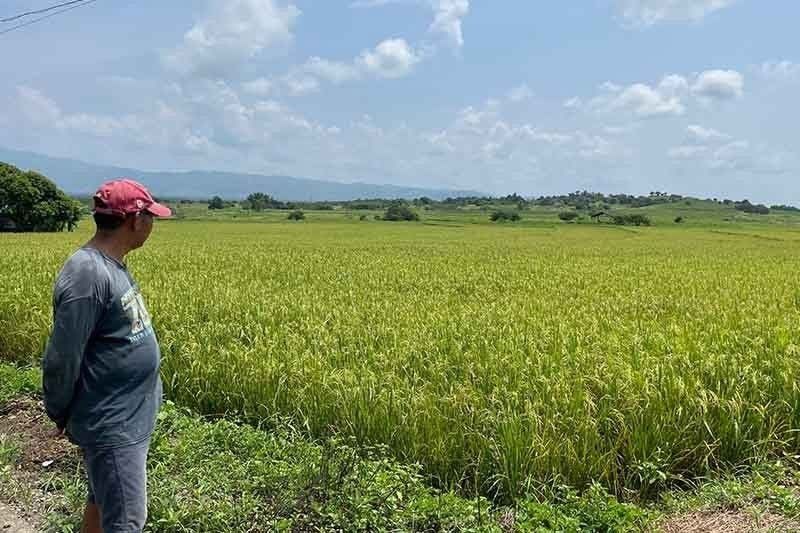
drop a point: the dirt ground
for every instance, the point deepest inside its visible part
(733, 521)
(24, 423)
(11, 520)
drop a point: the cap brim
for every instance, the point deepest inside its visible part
(158, 210)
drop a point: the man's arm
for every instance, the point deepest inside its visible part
(74, 322)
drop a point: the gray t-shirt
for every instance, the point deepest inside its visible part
(101, 368)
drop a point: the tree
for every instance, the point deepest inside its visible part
(568, 216)
(399, 212)
(296, 215)
(258, 201)
(34, 203)
(503, 216)
(216, 203)
(679, 220)
(747, 207)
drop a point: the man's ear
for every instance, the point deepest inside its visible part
(132, 221)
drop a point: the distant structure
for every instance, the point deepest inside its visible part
(598, 217)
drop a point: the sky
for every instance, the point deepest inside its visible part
(693, 97)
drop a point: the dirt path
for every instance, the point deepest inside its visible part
(11, 521)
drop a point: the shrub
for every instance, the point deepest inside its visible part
(679, 220)
(296, 215)
(631, 220)
(504, 216)
(400, 212)
(568, 216)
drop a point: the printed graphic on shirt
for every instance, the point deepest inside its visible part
(133, 305)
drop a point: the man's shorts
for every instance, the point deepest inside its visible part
(118, 485)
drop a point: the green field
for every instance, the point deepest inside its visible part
(502, 358)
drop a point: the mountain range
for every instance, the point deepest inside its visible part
(82, 178)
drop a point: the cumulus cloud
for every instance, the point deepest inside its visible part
(392, 58)
(670, 97)
(719, 85)
(448, 16)
(163, 126)
(720, 152)
(230, 33)
(643, 100)
(645, 13)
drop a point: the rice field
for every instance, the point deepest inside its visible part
(502, 359)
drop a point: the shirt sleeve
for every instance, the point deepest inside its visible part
(74, 322)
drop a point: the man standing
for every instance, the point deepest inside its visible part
(101, 368)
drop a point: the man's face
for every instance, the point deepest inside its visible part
(142, 226)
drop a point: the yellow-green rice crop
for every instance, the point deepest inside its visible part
(499, 358)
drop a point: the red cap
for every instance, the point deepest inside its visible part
(124, 196)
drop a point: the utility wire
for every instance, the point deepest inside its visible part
(39, 11)
(77, 4)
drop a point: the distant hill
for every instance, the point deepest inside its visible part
(81, 178)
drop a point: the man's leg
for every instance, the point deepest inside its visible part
(118, 480)
(91, 519)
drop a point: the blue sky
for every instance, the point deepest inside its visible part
(687, 96)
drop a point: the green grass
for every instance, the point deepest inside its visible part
(504, 359)
(224, 476)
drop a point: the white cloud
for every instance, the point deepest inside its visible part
(718, 85)
(298, 83)
(448, 20)
(780, 70)
(645, 101)
(231, 33)
(573, 103)
(392, 58)
(37, 107)
(164, 126)
(332, 71)
(671, 97)
(642, 100)
(645, 13)
(259, 87)
(376, 3)
(448, 16)
(719, 152)
(703, 135)
(687, 152)
(520, 93)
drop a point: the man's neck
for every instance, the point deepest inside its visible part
(110, 246)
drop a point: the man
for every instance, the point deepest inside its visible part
(101, 368)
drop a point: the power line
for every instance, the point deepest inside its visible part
(39, 11)
(34, 21)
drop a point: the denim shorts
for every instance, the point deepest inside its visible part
(118, 485)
